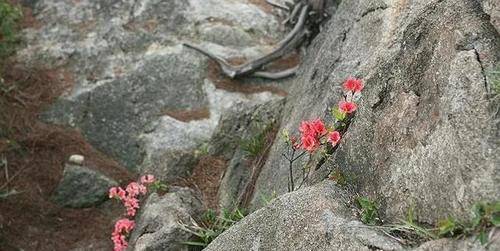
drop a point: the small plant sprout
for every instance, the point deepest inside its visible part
(369, 211)
(485, 216)
(255, 144)
(316, 137)
(211, 226)
(449, 227)
(495, 79)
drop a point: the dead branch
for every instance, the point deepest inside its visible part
(300, 14)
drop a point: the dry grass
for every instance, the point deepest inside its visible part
(206, 179)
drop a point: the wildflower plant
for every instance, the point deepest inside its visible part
(315, 136)
(130, 197)
(211, 225)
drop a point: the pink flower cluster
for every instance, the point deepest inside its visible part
(353, 84)
(129, 198)
(312, 131)
(122, 228)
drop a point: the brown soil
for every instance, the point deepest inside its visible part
(286, 62)
(188, 115)
(206, 179)
(35, 153)
(262, 5)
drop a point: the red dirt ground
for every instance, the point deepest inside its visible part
(32, 157)
(35, 154)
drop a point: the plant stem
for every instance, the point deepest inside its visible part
(290, 169)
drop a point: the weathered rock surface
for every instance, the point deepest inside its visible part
(170, 143)
(242, 128)
(127, 69)
(157, 225)
(460, 245)
(426, 133)
(315, 218)
(492, 8)
(82, 187)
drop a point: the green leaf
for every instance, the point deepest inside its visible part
(495, 220)
(369, 210)
(477, 214)
(447, 226)
(483, 238)
(338, 115)
(410, 217)
(496, 207)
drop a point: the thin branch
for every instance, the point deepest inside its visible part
(300, 155)
(293, 14)
(276, 75)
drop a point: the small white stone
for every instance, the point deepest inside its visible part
(76, 159)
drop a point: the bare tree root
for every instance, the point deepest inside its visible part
(299, 12)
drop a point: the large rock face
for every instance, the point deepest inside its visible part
(82, 187)
(316, 218)
(158, 221)
(426, 133)
(127, 69)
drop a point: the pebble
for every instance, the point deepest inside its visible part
(76, 159)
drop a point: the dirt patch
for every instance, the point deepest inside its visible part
(188, 115)
(33, 154)
(288, 61)
(223, 82)
(206, 179)
(262, 5)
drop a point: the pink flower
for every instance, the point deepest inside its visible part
(147, 179)
(131, 204)
(124, 226)
(347, 107)
(334, 138)
(120, 244)
(353, 84)
(116, 192)
(319, 127)
(306, 128)
(309, 142)
(134, 189)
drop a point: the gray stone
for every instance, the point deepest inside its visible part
(238, 127)
(492, 8)
(157, 225)
(315, 218)
(426, 132)
(467, 244)
(82, 187)
(126, 66)
(171, 145)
